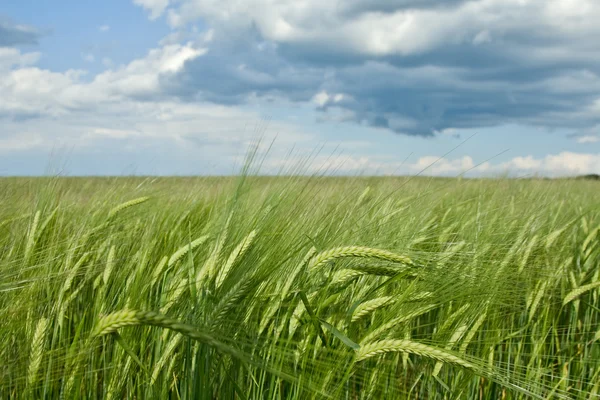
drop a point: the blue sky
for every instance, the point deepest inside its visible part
(482, 87)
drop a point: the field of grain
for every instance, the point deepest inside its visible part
(299, 288)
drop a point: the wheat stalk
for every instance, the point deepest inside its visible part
(408, 346)
(186, 249)
(369, 306)
(551, 238)
(175, 294)
(379, 270)
(235, 255)
(525, 257)
(113, 322)
(73, 272)
(589, 238)
(37, 347)
(359, 252)
(46, 223)
(230, 300)
(31, 236)
(13, 219)
(110, 263)
(208, 269)
(394, 322)
(345, 275)
(572, 295)
(116, 210)
(158, 270)
(363, 196)
(285, 289)
(456, 336)
(471, 334)
(167, 353)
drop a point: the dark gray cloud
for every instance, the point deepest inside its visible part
(12, 34)
(236, 67)
(478, 64)
(356, 7)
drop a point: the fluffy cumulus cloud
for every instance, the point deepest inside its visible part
(29, 91)
(552, 165)
(12, 57)
(413, 67)
(563, 164)
(123, 110)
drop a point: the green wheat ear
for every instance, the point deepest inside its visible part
(31, 237)
(37, 350)
(572, 295)
(122, 207)
(181, 252)
(407, 346)
(124, 318)
(357, 252)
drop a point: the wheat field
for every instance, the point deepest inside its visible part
(299, 288)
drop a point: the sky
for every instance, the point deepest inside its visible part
(386, 87)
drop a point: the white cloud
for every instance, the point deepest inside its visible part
(122, 110)
(130, 104)
(553, 165)
(527, 163)
(323, 98)
(400, 29)
(155, 7)
(106, 109)
(588, 139)
(323, 23)
(12, 57)
(415, 67)
(32, 91)
(104, 28)
(202, 133)
(565, 163)
(142, 77)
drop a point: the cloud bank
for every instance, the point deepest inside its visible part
(564, 164)
(420, 68)
(118, 114)
(413, 67)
